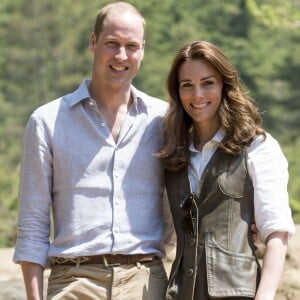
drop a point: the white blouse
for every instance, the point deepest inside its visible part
(268, 170)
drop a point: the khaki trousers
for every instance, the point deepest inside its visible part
(146, 281)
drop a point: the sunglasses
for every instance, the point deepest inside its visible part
(187, 223)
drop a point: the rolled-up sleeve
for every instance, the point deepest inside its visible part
(34, 194)
(268, 169)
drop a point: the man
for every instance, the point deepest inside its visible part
(90, 156)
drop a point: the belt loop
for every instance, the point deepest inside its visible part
(105, 263)
(78, 261)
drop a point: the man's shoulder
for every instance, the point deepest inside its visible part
(49, 107)
(61, 104)
(152, 103)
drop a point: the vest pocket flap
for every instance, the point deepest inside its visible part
(232, 186)
(228, 273)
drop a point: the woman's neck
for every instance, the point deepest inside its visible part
(203, 134)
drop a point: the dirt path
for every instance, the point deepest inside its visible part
(12, 288)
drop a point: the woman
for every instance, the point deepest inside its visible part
(224, 172)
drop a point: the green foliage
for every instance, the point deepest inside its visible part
(276, 13)
(44, 54)
(295, 205)
(292, 153)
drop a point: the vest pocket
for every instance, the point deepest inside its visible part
(229, 273)
(231, 186)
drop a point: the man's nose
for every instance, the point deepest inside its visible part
(121, 53)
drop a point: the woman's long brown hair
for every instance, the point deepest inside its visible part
(238, 113)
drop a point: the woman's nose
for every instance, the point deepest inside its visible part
(198, 91)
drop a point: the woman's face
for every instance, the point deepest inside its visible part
(200, 91)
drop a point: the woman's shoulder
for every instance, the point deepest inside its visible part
(264, 141)
(265, 145)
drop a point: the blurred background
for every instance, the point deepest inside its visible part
(44, 54)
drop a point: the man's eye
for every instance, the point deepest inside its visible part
(133, 46)
(111, 44)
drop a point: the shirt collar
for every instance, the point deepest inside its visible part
(82, 93)
(135, 98)
(139, 100)
(217, 138)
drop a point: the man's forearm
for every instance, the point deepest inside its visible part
(33, 279)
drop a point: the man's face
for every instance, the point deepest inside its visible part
(119, 49)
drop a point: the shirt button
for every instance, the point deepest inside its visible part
(102, 124)
(190, 272)
(192, 242)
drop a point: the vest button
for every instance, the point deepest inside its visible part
(192, 242)
(190, 272)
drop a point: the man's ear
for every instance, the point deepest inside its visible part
(143, 47)
(92, 41)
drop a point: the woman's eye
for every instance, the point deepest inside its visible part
(208, 82)
(185, 85)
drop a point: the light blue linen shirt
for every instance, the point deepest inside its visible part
(106, 196)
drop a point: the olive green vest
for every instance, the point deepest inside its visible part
(219, 259)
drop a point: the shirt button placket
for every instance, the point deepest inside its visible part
(116, 200)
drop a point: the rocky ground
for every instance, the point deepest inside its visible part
(12, 288)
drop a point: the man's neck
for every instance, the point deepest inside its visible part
(113, 103)
(110, 97)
